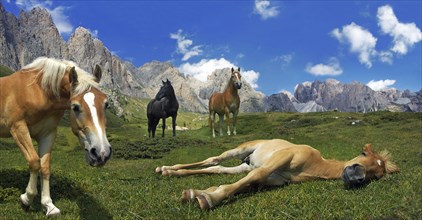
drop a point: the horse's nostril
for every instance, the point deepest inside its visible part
(93, 152)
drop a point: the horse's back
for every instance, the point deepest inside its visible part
(267, 148)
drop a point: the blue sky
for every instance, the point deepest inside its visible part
(277, 44)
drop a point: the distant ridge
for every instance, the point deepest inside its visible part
(33, 34)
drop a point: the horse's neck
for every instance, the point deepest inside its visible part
(230, 89)
(330, 169)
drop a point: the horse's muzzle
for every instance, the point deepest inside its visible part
(97, 158)
(238, 85)
(354, 175)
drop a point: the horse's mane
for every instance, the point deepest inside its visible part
(51, 72)
(390, 167)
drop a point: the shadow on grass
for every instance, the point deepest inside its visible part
(61, 188)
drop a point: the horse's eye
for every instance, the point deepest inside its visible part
(76, 108)
(364, 153)
(106, 105)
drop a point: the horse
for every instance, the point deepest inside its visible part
(163, 106)
(32, 102)
(226, 103)
(278, 162)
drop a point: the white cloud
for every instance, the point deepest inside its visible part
(284, 59)
(60, 19)
(184, 46)
(386, 57)
(94, 33)
(404, 35)
(205, 67)
(380, 84)
(263, 8)
(331, 69)
(361, 41)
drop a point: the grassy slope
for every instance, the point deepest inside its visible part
(128, 188)
(5, 71)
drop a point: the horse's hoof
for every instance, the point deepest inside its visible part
(24, 203)
(204, 201)
(165, 173)
(51, 210)
(24, 206)
(188, 195)
(158, 170)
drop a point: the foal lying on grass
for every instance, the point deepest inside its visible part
(278, 162)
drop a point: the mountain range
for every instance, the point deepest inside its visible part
(33, 34)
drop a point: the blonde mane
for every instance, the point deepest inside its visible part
(390, 167)
(52, 72)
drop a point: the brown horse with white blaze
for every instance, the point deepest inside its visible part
(226, 103)
(32, 102)
(278, 162)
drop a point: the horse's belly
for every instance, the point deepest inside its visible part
(4, 131)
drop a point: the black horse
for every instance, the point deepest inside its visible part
(163, 106)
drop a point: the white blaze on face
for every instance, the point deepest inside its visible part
(379, 162)
(89, 99)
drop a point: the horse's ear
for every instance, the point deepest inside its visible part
(232, 69)
(98, 73)
(367, 148)
(238, 69)
(163, 82)
(73, 77)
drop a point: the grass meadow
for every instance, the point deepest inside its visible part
(128, 188)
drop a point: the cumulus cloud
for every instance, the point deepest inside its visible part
(405, 35)
(360, 40)
(380, 84)
(184, 46)
(263, 8)
(332, 68)
(205, 67)
(60, 19)
(284, 59)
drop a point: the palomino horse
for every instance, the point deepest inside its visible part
(32, 102)
(278, 162)
(226, 103)
(163, 106)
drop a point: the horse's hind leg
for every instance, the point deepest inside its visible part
(209, 170)
(240, 152)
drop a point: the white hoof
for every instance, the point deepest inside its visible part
(25, 200)
(52, 210)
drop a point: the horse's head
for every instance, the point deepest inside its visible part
(237, 78)
(166, 90)
(87, 117)
(367, 166)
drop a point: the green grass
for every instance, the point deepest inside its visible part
(5, 71)
(128, 188)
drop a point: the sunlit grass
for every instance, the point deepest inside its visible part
(128, 188)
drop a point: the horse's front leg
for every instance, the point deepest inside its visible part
(221, 119)
(227, 113)
(173, 119)
(164, 125)
(45, 146)
(22, 137)
(235, 121)
(259, 175)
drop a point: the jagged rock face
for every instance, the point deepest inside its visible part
(279, 102)
(250, 99)
(30, 36)
(333, 95)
